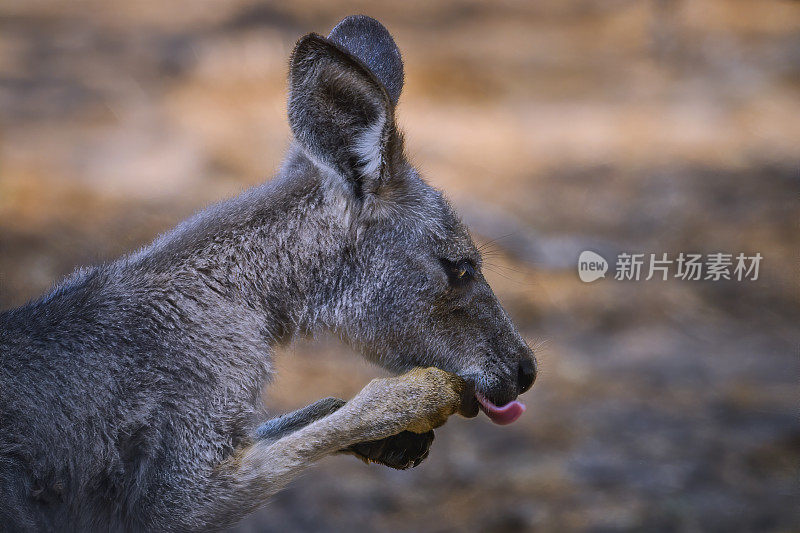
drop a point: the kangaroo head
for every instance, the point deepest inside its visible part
(411, 292)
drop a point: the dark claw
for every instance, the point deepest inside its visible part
(401, 451)
(469, 403)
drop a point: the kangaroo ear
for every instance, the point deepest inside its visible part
(340, 110)
(369, 41)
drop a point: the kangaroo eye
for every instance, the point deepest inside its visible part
(459, 272)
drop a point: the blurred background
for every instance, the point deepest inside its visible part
(554, 127)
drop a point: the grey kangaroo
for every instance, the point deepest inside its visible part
(130, 394)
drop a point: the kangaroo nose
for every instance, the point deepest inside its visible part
(526, 374)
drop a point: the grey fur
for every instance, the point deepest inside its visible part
(278, 427)
(371, 43)
(130, 394)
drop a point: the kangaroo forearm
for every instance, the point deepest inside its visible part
(279, 427)
(417, 401)
(304, 441)
(266, 466)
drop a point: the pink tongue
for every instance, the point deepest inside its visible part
(501, 415)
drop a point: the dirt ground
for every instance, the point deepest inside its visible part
(555, 127)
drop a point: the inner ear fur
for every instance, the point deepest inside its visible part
(340, 112)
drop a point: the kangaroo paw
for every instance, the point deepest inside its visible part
(401, 451)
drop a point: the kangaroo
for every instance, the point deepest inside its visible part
(130, 393)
